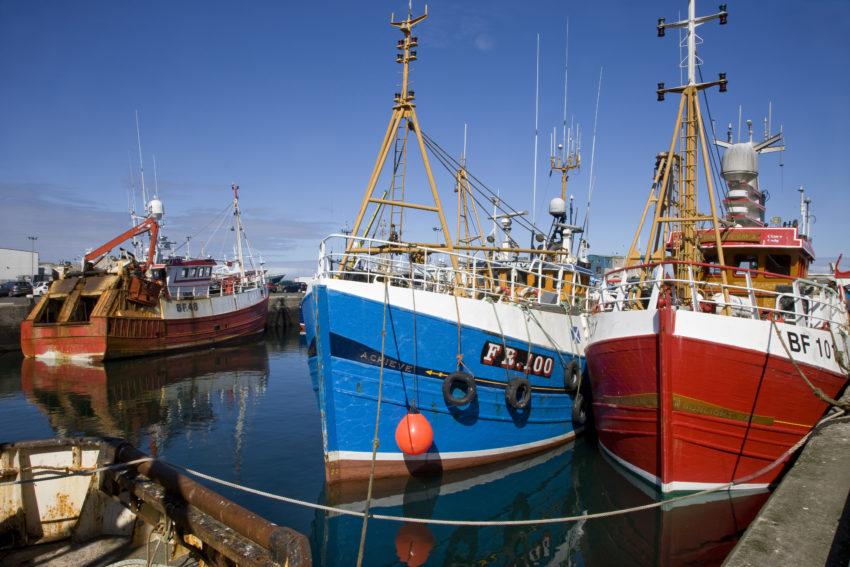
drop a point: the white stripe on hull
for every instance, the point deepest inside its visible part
(750, 334)
(194, 308)
(333, 456)
(759, 336)
(512, 320)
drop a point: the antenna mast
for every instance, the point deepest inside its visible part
(155, 179)
(565, 158)
(536, 114)
(675, 204)
(141, 163)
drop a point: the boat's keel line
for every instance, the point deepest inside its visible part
(675, 486)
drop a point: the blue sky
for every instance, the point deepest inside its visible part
(290, 100)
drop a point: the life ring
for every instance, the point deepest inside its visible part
(461, 381)
(579, 411)
(572, 372)
(518, 393)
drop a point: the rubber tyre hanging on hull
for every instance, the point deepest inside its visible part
(461, 381)
(518, 393)
(579, 411)
(572, 373)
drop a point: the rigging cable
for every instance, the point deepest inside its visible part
(715, 153)
(451, 165)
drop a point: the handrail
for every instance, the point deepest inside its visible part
(474, 275)
(702, 265)
(811, 303)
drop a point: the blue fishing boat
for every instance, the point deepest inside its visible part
(428, 357)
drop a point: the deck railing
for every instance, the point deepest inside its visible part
(798, 301)
(500, 274)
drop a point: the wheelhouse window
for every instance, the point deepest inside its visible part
(778, 264)
(194, 272)
(711, 270)
(184, 273)
(747, 262)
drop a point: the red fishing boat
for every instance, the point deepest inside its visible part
(707, 352)
(117, 307)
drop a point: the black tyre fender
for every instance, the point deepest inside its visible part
(518, 393)
(463, 381)
(572, 374)
(579, 411)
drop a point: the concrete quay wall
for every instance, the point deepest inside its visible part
(806, 521)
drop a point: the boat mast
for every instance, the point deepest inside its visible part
(403, 115)
(679, 212)
(468, 219)
(238, 221)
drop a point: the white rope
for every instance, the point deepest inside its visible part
(85, 472)
(538, 521)
(375, 440)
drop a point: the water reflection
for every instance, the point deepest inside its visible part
(562, 482)
(155, 398)
(248, 413)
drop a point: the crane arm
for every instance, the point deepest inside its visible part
(148, 225)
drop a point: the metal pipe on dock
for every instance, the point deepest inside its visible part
(286, 546)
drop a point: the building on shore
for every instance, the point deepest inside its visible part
(18, 264)
(599, 264)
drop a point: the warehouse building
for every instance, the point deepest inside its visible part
(17, 264)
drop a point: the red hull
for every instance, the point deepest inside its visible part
(689, 413)
(118, 337)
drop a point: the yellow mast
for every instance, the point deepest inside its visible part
(564, 164)
(468, 219)
(674, 194)
(403, 116)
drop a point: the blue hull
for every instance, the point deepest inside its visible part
(344, 338)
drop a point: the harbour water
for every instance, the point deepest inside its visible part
(248, 414)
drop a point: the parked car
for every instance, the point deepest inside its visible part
(15, 289)
(289, 286)
(40, 289)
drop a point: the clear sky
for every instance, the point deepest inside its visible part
(290, 99)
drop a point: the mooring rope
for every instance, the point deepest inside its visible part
(828, 420)
(839, 354)
(375, 440)
(70, 472)
(538, 521)
(845, 406)
(415, 340)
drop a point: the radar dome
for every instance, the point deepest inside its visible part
(740, 163)
(557, 207)
(156, 209)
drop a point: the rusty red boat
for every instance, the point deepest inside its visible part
(707, 351)
(117, 306)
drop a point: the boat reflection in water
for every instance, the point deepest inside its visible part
(149, 399)
(564, 482)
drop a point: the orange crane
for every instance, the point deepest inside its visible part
(148, 225)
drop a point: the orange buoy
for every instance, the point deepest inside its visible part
(414, 435)
(413, 543)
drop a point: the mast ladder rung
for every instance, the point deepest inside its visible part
(392, 203)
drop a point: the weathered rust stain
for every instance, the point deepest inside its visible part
(54, 521)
